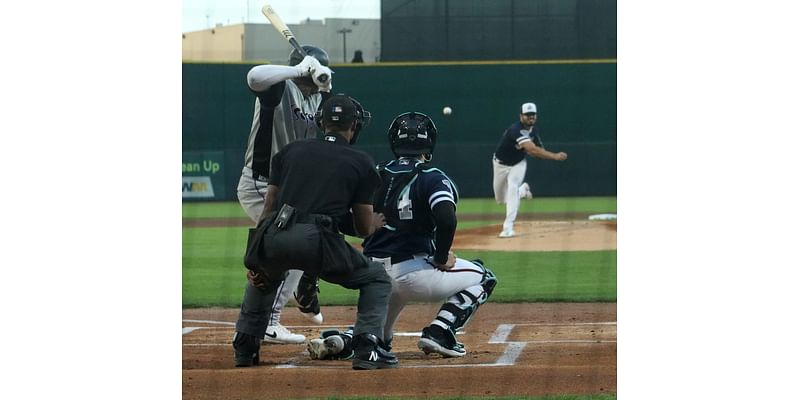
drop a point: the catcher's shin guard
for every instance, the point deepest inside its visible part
(461, 313)
(468, 301)
(489, 280)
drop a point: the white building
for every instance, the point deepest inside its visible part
(262, 43)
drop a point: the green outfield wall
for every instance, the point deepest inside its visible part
(444, 30)
(577, 114)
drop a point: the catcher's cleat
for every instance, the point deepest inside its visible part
(245, 349)
(278, 334)
(307, 298)
(370, 355)
(436, 339)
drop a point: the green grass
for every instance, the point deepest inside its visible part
(465, 206)
(213, 273)
(542, 205)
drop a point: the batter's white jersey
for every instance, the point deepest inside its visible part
(282, 115)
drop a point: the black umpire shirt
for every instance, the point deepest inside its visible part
(324, 176)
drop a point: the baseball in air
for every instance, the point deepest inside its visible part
(447, 111)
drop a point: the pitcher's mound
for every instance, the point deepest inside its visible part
(542, 236)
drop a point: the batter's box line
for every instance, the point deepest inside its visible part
(503, 330)
(190, 329)
(514, 349)
(205, 321)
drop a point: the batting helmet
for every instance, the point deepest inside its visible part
(412, 134)
(361, 116)
(313, 51)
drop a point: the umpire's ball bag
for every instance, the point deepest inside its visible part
(309, 242)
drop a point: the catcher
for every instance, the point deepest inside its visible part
(418, 202)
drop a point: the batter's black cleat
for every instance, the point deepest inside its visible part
(307, 298)
(245, 349)
(436, 339)
(370, 355)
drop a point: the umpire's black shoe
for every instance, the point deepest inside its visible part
(370, 355)
(245, 349)
(308, 299)
(436, 339)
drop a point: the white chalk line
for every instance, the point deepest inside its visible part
(398, 367)
(514, 349)
(501, 333)
(508, 358)
(566, 323)
(587, 341)
(204, 321)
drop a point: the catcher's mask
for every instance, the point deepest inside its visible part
(313, 51)
(412, 134)
(343, 109)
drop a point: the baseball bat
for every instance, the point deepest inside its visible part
(284, 30)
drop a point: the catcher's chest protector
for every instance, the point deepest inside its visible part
(395, 199)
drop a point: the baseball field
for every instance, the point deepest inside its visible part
(548, 331)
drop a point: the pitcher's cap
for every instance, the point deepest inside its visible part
(528, 108)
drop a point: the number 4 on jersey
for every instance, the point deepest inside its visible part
(404, 204)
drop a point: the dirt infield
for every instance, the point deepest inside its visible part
(531, 235)
(576, 235)
(189, 222)
(513, 349)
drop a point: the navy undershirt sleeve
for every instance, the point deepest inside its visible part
(444, 213)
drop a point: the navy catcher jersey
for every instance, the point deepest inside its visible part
(409, 191)
(509, 151)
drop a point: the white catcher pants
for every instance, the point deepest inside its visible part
(251, 194)
(417, 280)
(506, 183)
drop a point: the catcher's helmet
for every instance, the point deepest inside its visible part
(343, 114)
(313, 51)
(412, 134)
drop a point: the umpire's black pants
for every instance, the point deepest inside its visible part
(374, 285)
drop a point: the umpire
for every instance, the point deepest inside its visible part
(313, 186)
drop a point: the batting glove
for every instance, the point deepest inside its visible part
(325, 73)
(306, 66)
